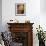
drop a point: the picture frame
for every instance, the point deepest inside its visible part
(20, 9)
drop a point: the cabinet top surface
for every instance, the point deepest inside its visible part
(19, 23)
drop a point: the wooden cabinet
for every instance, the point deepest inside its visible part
(22, 33)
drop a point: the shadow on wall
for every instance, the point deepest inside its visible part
(0, 15)
(43, 6)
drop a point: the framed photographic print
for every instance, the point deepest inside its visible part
(20, 9)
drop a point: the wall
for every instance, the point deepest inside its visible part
(0, 15)
(43, 14)
(33, 13)
(8, 11)
(43, 6)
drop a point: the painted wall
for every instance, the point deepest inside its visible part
(0, 15)
(43, 14)
(33, 13)
(43, 6)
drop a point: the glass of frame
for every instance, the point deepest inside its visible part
(20, 9)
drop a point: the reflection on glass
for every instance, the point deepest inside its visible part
(20, 9)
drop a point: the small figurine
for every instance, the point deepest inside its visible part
(27, 21)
